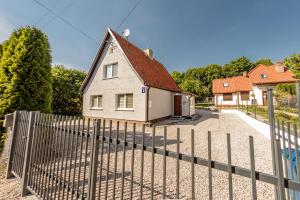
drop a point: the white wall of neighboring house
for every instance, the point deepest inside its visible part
(219, 100)
(160, 103)
(126, 82)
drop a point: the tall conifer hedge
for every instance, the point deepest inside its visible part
(25, 72)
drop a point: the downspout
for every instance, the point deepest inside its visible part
(147, 103)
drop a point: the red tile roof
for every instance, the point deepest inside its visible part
(152, 72)
(235, 84)
(272, 76)
(254, 77)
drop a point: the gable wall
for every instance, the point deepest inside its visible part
(127, 82)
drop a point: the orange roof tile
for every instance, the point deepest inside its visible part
(272, 76)
(152, 72)
(230, 85)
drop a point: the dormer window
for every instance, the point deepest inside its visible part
(263, 76)
(225, 84)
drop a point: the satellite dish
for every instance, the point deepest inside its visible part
(126, 32)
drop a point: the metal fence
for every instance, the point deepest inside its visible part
(60, 157)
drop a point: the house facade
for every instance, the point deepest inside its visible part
(252, 87)
(125, 82)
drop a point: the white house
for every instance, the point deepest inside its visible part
(252, 86)
(125, 82)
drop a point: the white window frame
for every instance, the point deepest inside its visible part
(125, 102)
(114, 68)
(92, 101)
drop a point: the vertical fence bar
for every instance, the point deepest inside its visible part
(271, 121)
(14, 132)
(132, 161)
(252, 163)
(116, 160)
(279, 168)
(177, 164)
(49, 157)
(80, 155)
(108, 159)
(77, 133)
(123, 161)
(209, 166)
(284, 154)
(85, 156)
(152, 162)
(165, 163)
(230, 193)
(193, 163)
(94, 160)
(101, 158)
(57, 153)
(297, 151)
(73, 135)
(62, 152)
(27, 153)
(54, 152)
(290, 155)
(142, 163)
(298, 100)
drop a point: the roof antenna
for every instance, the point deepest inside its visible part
(126, 33)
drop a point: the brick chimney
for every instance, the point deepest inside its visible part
(279, 67)
(149, 53)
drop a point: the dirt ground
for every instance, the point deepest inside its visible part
(219, 125)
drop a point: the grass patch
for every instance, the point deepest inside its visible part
(263, 112)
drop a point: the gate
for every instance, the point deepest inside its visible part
(60, 157)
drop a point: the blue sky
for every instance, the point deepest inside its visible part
(182, 33)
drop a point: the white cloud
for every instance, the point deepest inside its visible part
(5, 29)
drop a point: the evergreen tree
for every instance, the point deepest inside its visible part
(25, 72)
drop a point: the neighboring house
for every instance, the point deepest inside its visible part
(125, 82)
(252, 86)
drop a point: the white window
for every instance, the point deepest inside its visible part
(263, 76)
(96, 102)
(111, 70)
(125, 101)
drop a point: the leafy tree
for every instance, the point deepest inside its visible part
(237, 67)
(177, 76)
(25, 72)
(293, 63)
(195, 87)
(264, 61)
(67, 99)
(211, 72)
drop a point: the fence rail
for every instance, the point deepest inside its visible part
(61, 157)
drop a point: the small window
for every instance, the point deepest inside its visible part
(245, 96)
(227, 97)
(263, 76)
(225, 84)
(96, 102)
(111, 71)
(125, 101)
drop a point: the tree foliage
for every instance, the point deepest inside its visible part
(293, 63)
(264, 61)
(25, 72)
(237, 67)
(67, 99)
